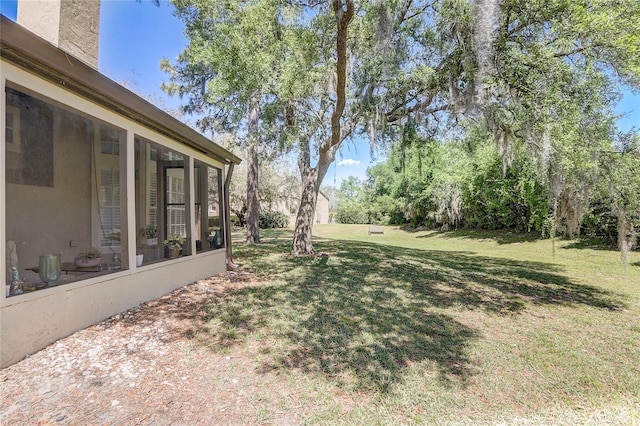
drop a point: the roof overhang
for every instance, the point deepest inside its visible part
(34, 54)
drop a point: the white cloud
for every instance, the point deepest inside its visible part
(348, 162)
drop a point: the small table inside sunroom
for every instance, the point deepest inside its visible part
(70, 268)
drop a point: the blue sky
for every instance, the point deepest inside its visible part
(135, 36)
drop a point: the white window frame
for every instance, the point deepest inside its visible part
(15, 145)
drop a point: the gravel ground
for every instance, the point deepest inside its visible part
(141, 367)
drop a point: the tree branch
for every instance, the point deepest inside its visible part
(343, 19)
(573, 52)
(413, 15)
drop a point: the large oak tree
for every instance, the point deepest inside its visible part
(537, 73)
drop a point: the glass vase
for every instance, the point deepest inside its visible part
(217, 239)
(50, 268)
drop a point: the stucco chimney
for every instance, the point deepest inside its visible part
(72, 25)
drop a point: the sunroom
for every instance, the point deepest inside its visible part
(107, 201)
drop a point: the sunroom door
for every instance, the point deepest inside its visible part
(176, 214)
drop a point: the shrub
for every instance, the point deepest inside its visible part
(351, 214)
(600, 222)
(213, 222)
(272, 219)
(235, 220)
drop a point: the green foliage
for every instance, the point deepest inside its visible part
(624, 190)
(351, 207)
(174, 240)
(150, 231)
(600, 222)
(537, 78)
(493, 200)
(450, 184)
(558, 67)
(351, 214)
(235, 220)
(92, 253)
(237, 51)
(272, 219)
(400, 188)
(356, 204)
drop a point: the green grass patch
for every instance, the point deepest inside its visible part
(427, 327)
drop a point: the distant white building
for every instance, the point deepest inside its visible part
(322, 210)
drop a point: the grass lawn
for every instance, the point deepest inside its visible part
(438, 328)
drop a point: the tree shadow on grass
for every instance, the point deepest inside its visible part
(593, 244)
(364, 313)
(500, 236)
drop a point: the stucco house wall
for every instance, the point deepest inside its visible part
(321, 215)
(322, 209)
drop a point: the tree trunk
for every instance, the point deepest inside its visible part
(302, 244)
(311, 179)
(253, 204)
(312, 176)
